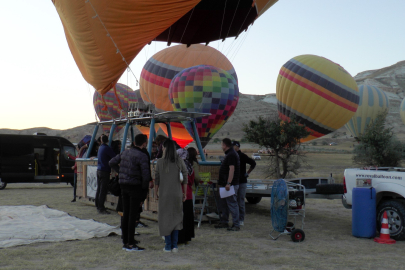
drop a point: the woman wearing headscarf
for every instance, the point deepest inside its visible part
(170, 194)
(160, 139)
(192, 159)
(187, 233)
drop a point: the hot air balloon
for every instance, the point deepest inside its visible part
(215, 19)
(126, 96)
(319, 93)
(160, 69)
(105, 36)
(372, 102)
(402, 110)
(205, 89)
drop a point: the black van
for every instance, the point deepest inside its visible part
(35, 159)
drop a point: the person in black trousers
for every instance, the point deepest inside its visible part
(244, 159)
(134, 179)
(104, 155)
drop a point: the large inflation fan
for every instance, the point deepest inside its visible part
(279, 205)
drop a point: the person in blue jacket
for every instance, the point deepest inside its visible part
(104, 155)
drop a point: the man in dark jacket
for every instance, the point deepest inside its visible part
(229, 176)
(244, 159)
(134, 177)
(104, 155)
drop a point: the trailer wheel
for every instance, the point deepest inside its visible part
(253, 200)
(329, 189)
(2, 185)
(396, 218)
(297, 235)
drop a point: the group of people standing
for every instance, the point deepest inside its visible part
(176, 175)
(175, 172)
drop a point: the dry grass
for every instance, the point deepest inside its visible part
(328, 244)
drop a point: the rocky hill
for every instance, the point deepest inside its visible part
(390, 79)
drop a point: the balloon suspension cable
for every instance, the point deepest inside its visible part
(109, 35)
(239, 46)
(222, 23)
(187, 25)
(230, 26)
(117, 97)
(239, 31)
(105, 108)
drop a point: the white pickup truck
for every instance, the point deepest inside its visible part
(389, 184)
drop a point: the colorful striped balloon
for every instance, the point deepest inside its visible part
(205, 89)
(126, 96)
(402, 111)
(372, 102)
(161, 68)
(158, 72)
(319, 93)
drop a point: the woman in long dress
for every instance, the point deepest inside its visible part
(170, 194)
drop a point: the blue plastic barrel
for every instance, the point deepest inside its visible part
(364, 212)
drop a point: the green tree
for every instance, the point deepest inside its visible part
(284, 138)
(378, 146)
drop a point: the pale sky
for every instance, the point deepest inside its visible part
(42, 86)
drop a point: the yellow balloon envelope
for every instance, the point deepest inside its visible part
(319, 93)
(372, 102)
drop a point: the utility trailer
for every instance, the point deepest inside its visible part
(257, 189)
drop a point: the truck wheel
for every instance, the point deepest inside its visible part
(396, 218)
(329, 189)
(253, 200)
(2, 185)
(297, 235)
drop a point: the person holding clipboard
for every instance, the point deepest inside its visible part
(229, 177)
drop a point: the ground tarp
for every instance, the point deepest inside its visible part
(27, 224)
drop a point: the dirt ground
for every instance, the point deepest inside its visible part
(328, 243)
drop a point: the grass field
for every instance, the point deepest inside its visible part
(328, 243)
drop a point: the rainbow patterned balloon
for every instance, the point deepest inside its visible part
(205, 89)
(161, 68)
(319, 93)
(372, 102)
(126, 96)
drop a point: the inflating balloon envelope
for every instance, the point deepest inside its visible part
(104, 36)
(162, 67)
(373, 101)
(205, 89)
(319, 93)
(109, 108)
